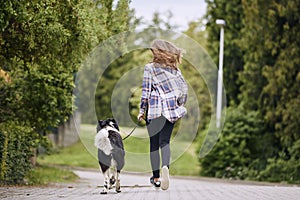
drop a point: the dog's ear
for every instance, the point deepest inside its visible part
(101, 123)
(115, 124)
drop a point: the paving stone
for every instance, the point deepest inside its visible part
(137, 187)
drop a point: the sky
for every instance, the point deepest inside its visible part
(183, 11)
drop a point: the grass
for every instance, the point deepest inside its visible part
(43, 175)
(187, 164)
(84, 154)
(75, 155)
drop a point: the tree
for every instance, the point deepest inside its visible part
(196, 30)
(119, 67)
(276, 36)
(255, 56)
(115, 20)
(268, 45)
(43, 43)
(232, 13)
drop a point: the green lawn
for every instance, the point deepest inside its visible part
(43, 175)
(84, 154)
(73, 156)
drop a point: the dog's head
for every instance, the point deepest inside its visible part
(108, 122)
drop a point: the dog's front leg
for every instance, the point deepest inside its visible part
(106, 182)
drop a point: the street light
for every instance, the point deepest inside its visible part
(221, 23)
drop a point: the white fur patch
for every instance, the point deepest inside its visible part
(102, 141)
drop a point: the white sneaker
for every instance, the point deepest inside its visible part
(165, 181)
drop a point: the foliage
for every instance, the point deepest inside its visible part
(283, 168)
(46, 102)
(17, 144)
(279, 170)
(196, 30)
(232, 12)
(262, 49)
(114, 20)
(276, 60)
(108, 84)
(237, 147)
(271, 77)
(42, 45)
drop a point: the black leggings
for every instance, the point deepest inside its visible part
(159, 130)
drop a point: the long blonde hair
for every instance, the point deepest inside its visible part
(166, 53)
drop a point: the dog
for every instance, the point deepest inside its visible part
(111, 154)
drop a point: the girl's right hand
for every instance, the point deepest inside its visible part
(140, 117)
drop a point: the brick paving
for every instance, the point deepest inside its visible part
(137, 187)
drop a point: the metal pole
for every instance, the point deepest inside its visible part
(220, 74)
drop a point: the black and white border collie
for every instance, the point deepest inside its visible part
(111, 153)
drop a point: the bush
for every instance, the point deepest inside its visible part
(279, 170)
(246, 151)
(237, 146)
(17, 144)
(283, 167)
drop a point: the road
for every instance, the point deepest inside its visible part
(137, 187)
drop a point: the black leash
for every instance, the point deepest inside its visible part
(134, 128)
(130, 133)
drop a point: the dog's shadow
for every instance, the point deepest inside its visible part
(126, 189)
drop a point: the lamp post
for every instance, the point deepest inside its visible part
(221, 23)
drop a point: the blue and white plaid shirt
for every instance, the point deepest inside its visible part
(164, 92)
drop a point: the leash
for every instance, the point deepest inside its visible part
(133, 129)
(130, 133)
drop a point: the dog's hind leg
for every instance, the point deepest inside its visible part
(106, 186)
(104, 162)
(112, 176)
(118, 184)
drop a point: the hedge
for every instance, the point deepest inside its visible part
(17, 144)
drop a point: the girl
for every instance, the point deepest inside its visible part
(164, 93)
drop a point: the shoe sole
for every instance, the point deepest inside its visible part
(165, 178)
(154, 184)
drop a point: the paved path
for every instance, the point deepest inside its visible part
(137, 187)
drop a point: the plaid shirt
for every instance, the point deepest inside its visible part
(164, 92)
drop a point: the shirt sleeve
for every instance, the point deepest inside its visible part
(146, 90)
